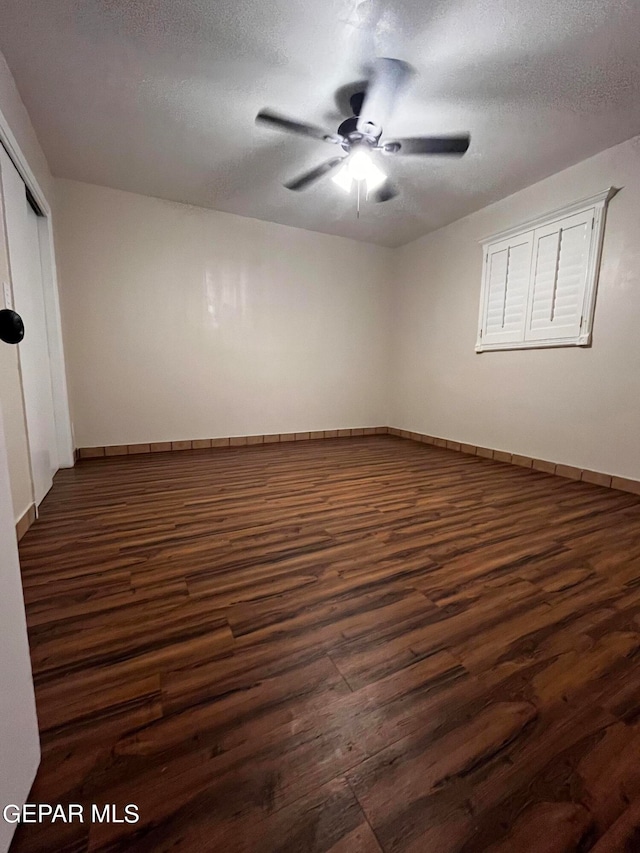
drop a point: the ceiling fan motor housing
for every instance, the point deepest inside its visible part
(349, 128)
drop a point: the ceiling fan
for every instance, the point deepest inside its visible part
(360, 137)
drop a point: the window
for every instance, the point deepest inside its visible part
(539, 280)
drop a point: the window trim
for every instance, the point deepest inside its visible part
(598, 203)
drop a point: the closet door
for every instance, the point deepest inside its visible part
(28, 296)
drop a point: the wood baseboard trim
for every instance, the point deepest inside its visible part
(25, 521)
(569, 471)
(230, 441)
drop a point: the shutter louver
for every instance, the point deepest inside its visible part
(507, 282)
(561, 258)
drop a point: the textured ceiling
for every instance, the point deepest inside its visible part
(159, 96)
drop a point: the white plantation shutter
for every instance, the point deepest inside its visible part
(539, 280)
(559, 277)
(507, 281)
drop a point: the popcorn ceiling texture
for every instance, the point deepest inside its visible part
(159, 98)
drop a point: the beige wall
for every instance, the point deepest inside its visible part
(571, 405)
(184, 323)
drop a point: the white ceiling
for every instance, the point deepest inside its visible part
(159, 96)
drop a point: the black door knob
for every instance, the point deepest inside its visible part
(11, 326)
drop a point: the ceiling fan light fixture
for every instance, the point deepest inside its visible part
(343, 179)
(361, 135)
(375, 177)
(360, 167)
(359, 164)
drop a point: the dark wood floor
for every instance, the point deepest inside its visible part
(348, 646)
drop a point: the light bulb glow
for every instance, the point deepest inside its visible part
(360, 167)
(343, 179)
(375, 177)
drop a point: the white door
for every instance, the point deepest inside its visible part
(28, 296)
(19, 741)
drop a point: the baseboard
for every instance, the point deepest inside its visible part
(25, 521)
(230, 441)
(569, 471)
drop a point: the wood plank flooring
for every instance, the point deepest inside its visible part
(341, 646)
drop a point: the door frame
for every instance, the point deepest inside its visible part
(18, 721)
(64, 429)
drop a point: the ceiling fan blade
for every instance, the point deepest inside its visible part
(303, 181)
(386, 192)
(429, 145)
(389, 77)
(278, 122)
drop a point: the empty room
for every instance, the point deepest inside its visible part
(319, 426)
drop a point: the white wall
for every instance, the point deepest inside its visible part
(184, 323)
(572, 405)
